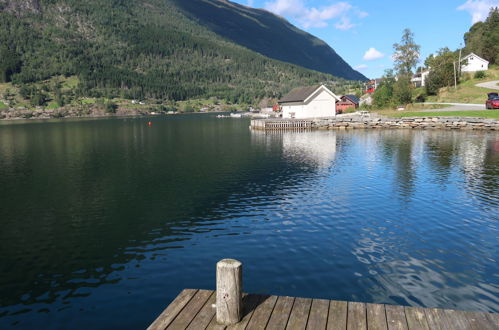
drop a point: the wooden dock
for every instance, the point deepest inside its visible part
(195, 309)
(281, 124)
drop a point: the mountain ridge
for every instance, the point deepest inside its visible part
(277, 37)
(137, 49)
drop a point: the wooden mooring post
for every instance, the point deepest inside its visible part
(229, 303)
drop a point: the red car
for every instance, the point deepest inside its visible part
(493, 101)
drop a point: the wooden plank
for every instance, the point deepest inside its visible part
(376, 317)
(299, 314)
(250, 302)
(262, 313)
(214, 325)
(395, 317)
(317, 318)
(190, 310)
(205, 315)
(436, 319)
(357, 316)
(280, 315)
(416, 318)
(457, 319)
(165, 318)
(494, 318)
(337, 318)
(479, 321)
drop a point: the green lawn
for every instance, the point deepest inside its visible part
(472, 113)
(466, 91)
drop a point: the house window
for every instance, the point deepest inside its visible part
(471, 58)
(292, 114)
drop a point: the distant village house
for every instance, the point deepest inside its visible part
(309, 102)
(419, 79)
(473, 63)
(347, 102)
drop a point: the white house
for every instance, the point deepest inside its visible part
(419, 79)
(309, 102)
(474, 63)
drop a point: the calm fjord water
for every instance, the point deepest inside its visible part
(103, 222)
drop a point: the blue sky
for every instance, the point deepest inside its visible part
(363, 32)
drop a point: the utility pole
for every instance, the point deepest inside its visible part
(455, 77)
(460, 49)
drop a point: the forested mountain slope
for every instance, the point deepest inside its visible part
(269, 35)
(136, 49)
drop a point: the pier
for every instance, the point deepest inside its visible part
(376, 122)
(228, 308)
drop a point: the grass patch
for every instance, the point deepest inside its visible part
(471, 113)
(3, 105)
(52, 106)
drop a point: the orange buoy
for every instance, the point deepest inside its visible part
(149, 123)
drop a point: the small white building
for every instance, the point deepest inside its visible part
(473, 63)
(309, 102)
(419, 79)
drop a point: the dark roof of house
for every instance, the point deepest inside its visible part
(299, 94)
(352, 98)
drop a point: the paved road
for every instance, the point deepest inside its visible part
(489, 84)
(456, 107)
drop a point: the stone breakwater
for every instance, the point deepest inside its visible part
(449, 123)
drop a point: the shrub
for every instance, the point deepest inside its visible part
(480, 75)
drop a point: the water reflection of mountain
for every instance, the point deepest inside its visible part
(82, 199)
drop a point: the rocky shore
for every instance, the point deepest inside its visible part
(67, 112)
(368, 122)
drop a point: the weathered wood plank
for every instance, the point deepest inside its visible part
(165, 318)
(395, 317)
(299, 314)
(190, 310)
(215, 326)
(416, 318)
(250, 302)
(357, 316)
(317, 318)
(479, 321)
(376, 317)
(262, 313)
(457, 319)
(436, 319)
(205, 315)
(280, 315)
(337, 318)
(494, 318)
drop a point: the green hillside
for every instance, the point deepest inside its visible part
(268, 34)
(135, 49)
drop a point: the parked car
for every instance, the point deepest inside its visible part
(492, 101)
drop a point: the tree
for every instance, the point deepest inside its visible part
(442, 70)
(383, 96)
(406, 54)
(402, 90)
(483, 38)
(9, 64)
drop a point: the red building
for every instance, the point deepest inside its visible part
(347, 102)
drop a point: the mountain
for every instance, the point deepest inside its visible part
(156, 49)
(268, 34)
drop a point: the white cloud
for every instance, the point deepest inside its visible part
(361, 67)
(478, 9)
(362, 14)
(250, 3)
(344, 24)
(311, 17)
(373, 54)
